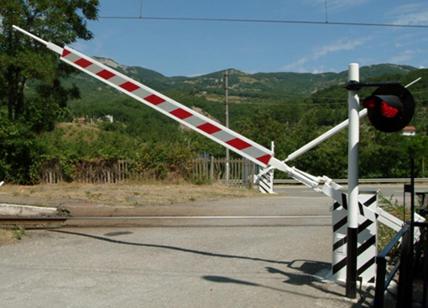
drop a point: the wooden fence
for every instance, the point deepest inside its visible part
(88, 172)
(201, 170)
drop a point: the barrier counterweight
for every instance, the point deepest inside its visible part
(366, 239)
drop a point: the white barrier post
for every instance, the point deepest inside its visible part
(353, 141)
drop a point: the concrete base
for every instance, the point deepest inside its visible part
(17, 210)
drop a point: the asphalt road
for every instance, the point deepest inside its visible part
(170, 267)
(258, 264)
(274, 257)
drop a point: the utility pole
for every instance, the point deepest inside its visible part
(226, 103)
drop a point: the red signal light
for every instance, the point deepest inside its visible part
(390, 107)
(387, 110)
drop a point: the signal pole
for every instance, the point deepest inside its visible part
(353, 141)
(226, 103)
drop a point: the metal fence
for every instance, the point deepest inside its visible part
(411, 264)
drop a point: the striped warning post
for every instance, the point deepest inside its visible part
(182, 114)
(264, 179)
(264, 182)
(366, 247)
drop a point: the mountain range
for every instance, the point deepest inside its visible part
(244, 87)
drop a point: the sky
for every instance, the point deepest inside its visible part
(193, 48)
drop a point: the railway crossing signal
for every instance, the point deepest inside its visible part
(390, 107)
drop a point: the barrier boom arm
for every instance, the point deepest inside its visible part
(169, 107)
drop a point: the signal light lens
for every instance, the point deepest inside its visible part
(390, 107)
(387, 110)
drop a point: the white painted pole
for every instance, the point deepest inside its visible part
(49, 45)
(272, 174)
(30, 35)
(328, 134)
(353, 141)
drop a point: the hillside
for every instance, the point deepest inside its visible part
(277, 92)
(288, 108)
(280, 87)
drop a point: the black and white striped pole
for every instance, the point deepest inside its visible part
(353, 141)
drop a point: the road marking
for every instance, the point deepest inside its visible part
(201, 217)
(300, 197)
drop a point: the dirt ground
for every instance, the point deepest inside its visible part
(7, 237)
(118, 194)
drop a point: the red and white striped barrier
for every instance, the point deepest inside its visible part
(186, 116)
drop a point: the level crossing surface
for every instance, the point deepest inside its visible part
(223, 265)
(227, 265)
(181, 266)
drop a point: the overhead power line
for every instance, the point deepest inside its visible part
(270, 21)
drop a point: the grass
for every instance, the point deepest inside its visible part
(385, 234)
(10, 236)
(18, 232)
(129, 194)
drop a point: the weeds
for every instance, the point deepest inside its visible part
(18, 232)
(385, 234)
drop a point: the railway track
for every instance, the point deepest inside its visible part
(8, 222)
(164, 221)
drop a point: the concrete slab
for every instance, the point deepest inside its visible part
(8, 209)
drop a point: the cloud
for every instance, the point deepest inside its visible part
(407, 55)
(410, 13)
(402, 57)
(337, 46)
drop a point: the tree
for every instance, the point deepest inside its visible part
(30, 77)
(23, 60)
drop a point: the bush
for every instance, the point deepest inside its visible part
(19, 153)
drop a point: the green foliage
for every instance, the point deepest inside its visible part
(32, 97)
(385, 234)
(160, 160)
(71, 145)
(264, 117)
(23, 60)
(18, 232)
(19, 153)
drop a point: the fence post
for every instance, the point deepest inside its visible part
(404, 296)
(244, 172)
(380, 281)
(212, 168)
(424, 243)
(251, 176)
